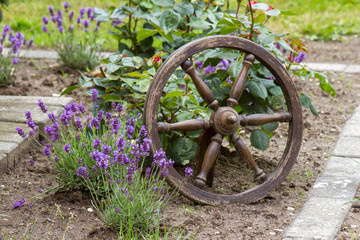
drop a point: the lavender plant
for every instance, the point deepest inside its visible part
(74, 36)
(9, 59)
(105, 154)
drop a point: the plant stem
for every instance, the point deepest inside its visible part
(252, 20)
(237, 9)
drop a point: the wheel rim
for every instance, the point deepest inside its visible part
(292, 101)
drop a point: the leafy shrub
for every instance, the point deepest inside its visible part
(9, 60)
(166, 26)
(75, 37)
(104, 155)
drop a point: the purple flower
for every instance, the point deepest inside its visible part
(97, 143)
(90, 11)
(116, 22)
(47, 150)
(228, 80)
(71, 28)
(32, 162)
(78, 138)
(94, 95)
(86, 23)
(56, 159)
(78, 124)
(18, 204)
(115, 126)
(224, 64)
(119, 108)
(67, 148)
(42, 106)
(250, 103)
(143, 132)
(82, 12)
(81, 108)
(199, 64)
(52, 117)
(51, 10)
(66, 6)
(95, 123)
(80, 161)
(78, 20)
(209, 69)
(61, 29)
(130, 127)
(106, 149)
(44, 28)
(71, 15)
(59, 13)
(117, 209)
(30, 43)
(81, 172)
(15, 61)
(188, 172)
(120, 143)
(162, 163)
(145, 147)
(271, 77)
(45, 20)
(156, 189)
(131, 198)
(300, 58)
(277, 45)
(100, 158)
(147, 172)
(21, 133)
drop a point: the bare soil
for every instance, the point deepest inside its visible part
(58, 215)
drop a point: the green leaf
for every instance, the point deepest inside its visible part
(137, 61)
(306, 102)
(127, 62)
(259, 139)
(286, 46)
(112, 98)
(146, 5)
(184, 8)
(273, 12)
(270, 127)
(164, 3)
(111, 67)
(69, 89)
(145, 33)
(198, 23)
(257, 89)
(169, 21)
(173, 94)
(324, 84)
(115, 58)
(260, 6)
(276, 91)
(234, 68)
(118, 14)
(101, 15)
(266, 38)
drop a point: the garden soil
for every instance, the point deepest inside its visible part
(71, 216)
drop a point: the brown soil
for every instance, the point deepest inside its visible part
(58, 214)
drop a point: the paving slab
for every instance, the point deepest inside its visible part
(320, 218)
(343, 166)
(48, 101)
(351, 128)
(336, 187)
(352, 69)
(3, 163)
(11, 151)
(11, 127)
(322, 67)
(347, 147)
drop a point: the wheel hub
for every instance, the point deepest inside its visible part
(225, 120)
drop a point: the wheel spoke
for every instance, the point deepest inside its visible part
(211, 155)
(239, 85)
(260, 119)
(242, 149)
(202, 88)
(187, 125)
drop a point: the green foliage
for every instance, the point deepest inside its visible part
(164, 29)
(6, 71)
(3, 5)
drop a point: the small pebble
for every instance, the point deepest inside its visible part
(217, 233)
(2, 186)
(290, 209)
(272, 233)
(90, 210)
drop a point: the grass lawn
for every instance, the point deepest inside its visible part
(315, 19)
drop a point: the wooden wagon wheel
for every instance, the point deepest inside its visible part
(225, 120)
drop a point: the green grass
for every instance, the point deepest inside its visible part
(315, 19)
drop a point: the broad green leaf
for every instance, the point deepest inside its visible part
(273, 12)
(185, 115)
(112, 98)
(118, 14)
(98, 82)
(145, 33)
(145, 4)
(111, 67)
(164, 3)
(276, 91)
(259, 139)
(184, 8)
(169, 21)
(101, 15)
(127, 62)
(234, 68)
(266, 38)
(306, 102)
(173, 94)
(270, 127)
(137, 75)
(198, 23)
(69, 89)
(260, 6)
(84, 80)
(144, 85)
(137, 61)
(260, 17)
(115, 58)
(257, 89)
(286, 46)
(324, 84)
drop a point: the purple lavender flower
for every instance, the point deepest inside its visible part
(86, 23)
(188, 172)
(131, 198)
(81, 172)
(147, 172)
(56, 159)
(65, 117)
(119, 108)
(143, 132)
(116, 22)
(47, 150)
(120, 143)
(90, 11)
(53, 19)
(80, 161)
(100, 158)
(97, 143)
(45, 29)
(45, 20)
(71, 15)
(94, 95)
(21, 133)
(66, 6)
(106, 149)
(300, 58)
(228, 80)
(271, 77)
(130, 127)
(61, 29)
(117, 209)
(32, 162)
(51, 10)
(71, 28)
(59, 13)
(95, 123)
(81, 108)
(18, 204)
(115, 126)
(156, 189)
(82, 12)
(277, 45)
(15, 61)
(42, 106)
(67, 148)
(30, 43)
(209, 69)
(145, 147)
(199, 64)
(250, 103)
(78, 124)
(78, 138)
(162, 163)
(224, 64)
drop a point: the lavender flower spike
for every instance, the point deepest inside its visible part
(42, 106)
